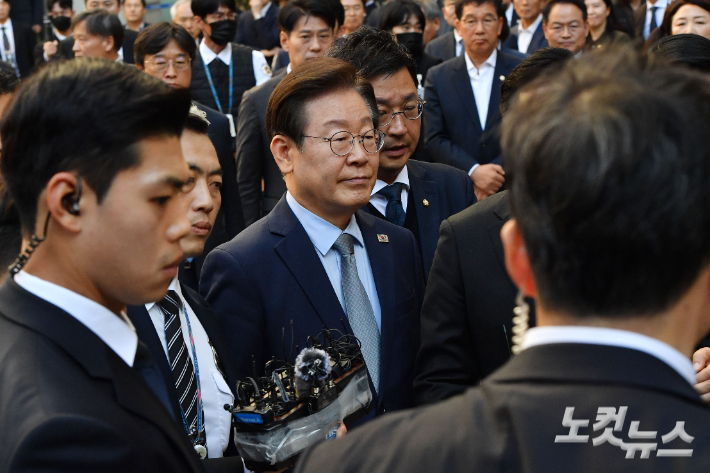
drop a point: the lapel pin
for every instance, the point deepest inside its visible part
(382, 238)
(426, 203)
(502, 78)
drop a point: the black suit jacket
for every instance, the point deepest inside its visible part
(443, 47)
(147, 334)
(271, 274)
(254, 159)
(25, 41)
(446, 190)
(451, 123)
(29, 12)
(65, 49)
(69, 403)
(511, 422)
(538, 40)
(262, 33)
(467, 314)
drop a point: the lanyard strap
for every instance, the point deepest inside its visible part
(200, 427)
(214, 91)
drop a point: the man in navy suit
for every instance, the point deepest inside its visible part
(463, 95)
(527, 36)
(199, 329)
(316, 261)
(409, 193)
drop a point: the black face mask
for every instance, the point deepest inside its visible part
(61, 23)
(223, 31)
(414, 43)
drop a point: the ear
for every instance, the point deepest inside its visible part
(457, 24)
(140, 68)
(59, 187)
(283, 38)
(282, 147)
(108, 43)
(516, 258)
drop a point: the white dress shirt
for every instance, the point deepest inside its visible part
(11, 38)
(459, 43)
(380, 201)
(525, 34)
(615, 338)
(323, 234)
(661, 4)
(262, 12)
(214, 388)
(257, 58)
(509, 14)
(482, 83)
(116, 331)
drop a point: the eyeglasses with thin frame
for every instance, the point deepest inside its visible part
(411, 110)
(472, 23)
(342, 142)
(180, 63)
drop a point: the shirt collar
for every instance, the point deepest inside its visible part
(116, 331)
(174, 286)
(60, 37)
(491, 61)
(533, 26)
(659, 4)
(612, 337)
(402, 177)
(457, 36)
(208, 55)
(322, 234)
(8, 24)
(288, 69)
(263, 11)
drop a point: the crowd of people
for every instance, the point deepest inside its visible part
(505, 203)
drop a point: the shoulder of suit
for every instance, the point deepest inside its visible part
(509, 59)
(441, 39)
(491, 209)
(213, 116)
(236, 47)
(439, 171)
(264, 90)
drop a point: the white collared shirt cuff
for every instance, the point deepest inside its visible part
(470, 172)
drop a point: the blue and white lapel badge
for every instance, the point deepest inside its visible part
(382, 238)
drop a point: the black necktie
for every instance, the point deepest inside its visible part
(654, 25)
(179, 357)
(394, 211)
(145, 365)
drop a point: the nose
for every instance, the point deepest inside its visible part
(171, 71)
(397, 126)
(180, 225)
(315, 44)
(202, 199)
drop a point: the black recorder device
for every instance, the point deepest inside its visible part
(294, 406)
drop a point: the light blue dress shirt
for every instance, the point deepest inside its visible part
(323, 234)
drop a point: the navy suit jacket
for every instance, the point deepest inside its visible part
(538, 40)
(446, 190)
(270, 275)
(453, 129)
(147, 334)
(262, 33)
(444, 47)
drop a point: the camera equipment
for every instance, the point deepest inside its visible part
(294, 406)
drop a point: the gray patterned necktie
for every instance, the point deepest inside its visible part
(358, 308)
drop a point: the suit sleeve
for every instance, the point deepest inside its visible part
(236, 300)
(444, 364)
(231, 202)
(39, 54)
(436, 128)
(250, 154)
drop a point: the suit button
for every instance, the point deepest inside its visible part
(381, 409)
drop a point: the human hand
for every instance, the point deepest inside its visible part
(37, 29)
(50, 48)
(700, 363)
(487, 179)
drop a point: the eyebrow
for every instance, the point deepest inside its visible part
(173, 181)
(200, 171)
(406, 99)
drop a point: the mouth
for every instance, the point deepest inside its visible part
(396, 151)
(360, 180)
(171, 270)
(201, 228)
(173, 85)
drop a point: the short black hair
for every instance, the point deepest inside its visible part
(608, 176)
(8, 82)
(84, 116)
(338, 10)
(197, 121)
(102, 23)
(202, 8)
(528, 70)
(691, 50)
(310, 80)
(155, 38)
(62, 4)
(398, 12)
(10, 231)
(577, 3)
(373, 53)
(297, 9)
(460, 4)
(142, 2)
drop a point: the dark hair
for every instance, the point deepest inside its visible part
(666, 27)
(310, 80)
(202, 8)
(373, 53)
(431, 9)
(505, 30)
(528, 70)
(156, 37)
(577, 3)
(460, 4)
(10, 231)
(100, 22)
(608, 176)
(84, 116)
(398, 12)
(142, 2)
(691, 50)
(612, 21)
(339, 11)
(8, 82)
(197, 121)
(297, 9)
(62, 4)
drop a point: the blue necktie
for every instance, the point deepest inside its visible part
(653, 25)
(394, 211)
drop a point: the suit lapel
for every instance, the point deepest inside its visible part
(537, 38)
(451, 45)
(298, 253)
(428, 217)
(494, 103)
(462, 86)
(382, 263)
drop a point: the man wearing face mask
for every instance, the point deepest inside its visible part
(405, 19)
(60, 14)
(222, 70)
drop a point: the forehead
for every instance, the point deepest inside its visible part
(103, 2)
(311, 23)
(350, 2)
(478, 10)
(170, 49)
(691, 10)
(199, 150)
(565, 12)
(411, 20)
(346, 106)
(184, 9)
(394, 89)
(161, 161)
(133, 3)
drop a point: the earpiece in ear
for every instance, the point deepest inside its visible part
(71, 201)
